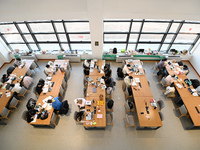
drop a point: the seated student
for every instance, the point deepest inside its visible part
(30, 115)
(169, 89)
(86, 64)
(17, 62)
(80, 102)
(10, 70)
(195, 83)
(109, 81)
(185, 69)
(169, 79)
(47, 69)
(27, 81)
(16, 87)
(56, 104)
(126, 69)
(128, 81)
(4, 78)
(107, 71)
(79, 116)
(161, 64)
(41, 81)
(39, 87)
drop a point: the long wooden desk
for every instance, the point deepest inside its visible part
(57, 79)
(19, 72)
(188, 99)
(142, 96)
(100, 109)
(94, 71)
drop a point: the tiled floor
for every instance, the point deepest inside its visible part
(17, 134)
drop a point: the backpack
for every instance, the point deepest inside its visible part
(110, 104)
(115, 50)
(120, 73)
(44, 115)
(64, 108)
(180, 63)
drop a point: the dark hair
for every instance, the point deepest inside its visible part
(103, 77)
(130, 77)
(47, 66)
(128, 65)
(185, 66)
(18, 59)
(4, 75)
(173, 75)
(165, 59)
(12, 85)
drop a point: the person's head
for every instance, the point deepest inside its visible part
(173, 75)
(41, 81)
(105, 67)
(103, 77)
(79, 101)
(185, 67)
(4, 75)
(47, 66)
(165, 59)
(88, 60)
(39, 84)
(18, 59)
(128, 65)
(130, 77)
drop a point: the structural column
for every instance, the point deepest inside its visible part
(95, 16)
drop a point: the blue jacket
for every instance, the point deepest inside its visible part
(57, 104)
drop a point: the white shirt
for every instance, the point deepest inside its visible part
(86, 63)
(47, 70)
(169, 90)
(17, 88)
(127, 81)
(126, 70)
(83, 102)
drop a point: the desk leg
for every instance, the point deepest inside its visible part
(156, 128)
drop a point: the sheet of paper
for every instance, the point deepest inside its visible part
(99, 115)
(137, 79)
(44, 105)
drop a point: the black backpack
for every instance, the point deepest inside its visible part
(44, 115)
(115, 50)
(120, 73)
(64, 108)
(110, 104)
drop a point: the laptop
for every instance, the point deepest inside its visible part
(88, 102)
(89, 116)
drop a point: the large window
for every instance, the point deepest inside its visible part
(47, 35)
(157, 35)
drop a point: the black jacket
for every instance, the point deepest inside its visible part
(30, 114)
(10, 70)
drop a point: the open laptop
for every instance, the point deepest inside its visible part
(89, 116)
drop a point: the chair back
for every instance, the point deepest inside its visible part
(53, 118)
(161, 115)
(75, 114)
(183, 110)
(29, 72)
(85, 91)
(22, 91)
(161, 103)
(163, 81)
(33, 66)
(24, 115)
(4, 112)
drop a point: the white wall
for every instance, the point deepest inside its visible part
(4, 56)
(23, 10)
(195, 60)
(96, 11)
